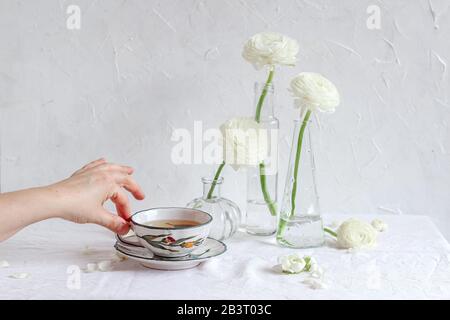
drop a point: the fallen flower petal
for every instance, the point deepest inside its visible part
(21, 275)
(315, 283)
(118, 257)
(105, 265)
(4, 264)
(91, 267)
(379, 225)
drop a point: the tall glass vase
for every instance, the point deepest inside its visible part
(300, 223)
(262, 185)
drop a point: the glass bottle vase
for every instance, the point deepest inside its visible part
(262, 180)
(226, 214)
(300, 223)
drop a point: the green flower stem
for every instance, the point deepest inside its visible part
(216, 177)
(331, 232)
(262, 171)
(297, 160)
(282, 224)
(267, 199)
(263, 95)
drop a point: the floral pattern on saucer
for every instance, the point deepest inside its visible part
(169, 243)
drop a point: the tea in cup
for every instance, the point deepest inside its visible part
(171, 232)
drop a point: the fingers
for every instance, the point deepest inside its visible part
(94, 163)
(122, 176)
(112, 222)
(90, 165)
(113, 168)
(102, 165)
(129, 184)
(122, 203)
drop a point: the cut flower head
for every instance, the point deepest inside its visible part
(292, 264)
(356, 234)
(270, 49)
(314, 92)
(244, 142)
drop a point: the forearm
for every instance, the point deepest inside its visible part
(22, 208)
(79, 199)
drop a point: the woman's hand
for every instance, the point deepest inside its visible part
(80, 198)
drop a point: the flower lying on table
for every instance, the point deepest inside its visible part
(357, 234)
(294, 264)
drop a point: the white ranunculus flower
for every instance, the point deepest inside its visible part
(244, 142)
(379, 225)
(315, 92)
(269, 49)
(292, 263)
(356, 234)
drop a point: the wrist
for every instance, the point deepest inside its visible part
(52, 201)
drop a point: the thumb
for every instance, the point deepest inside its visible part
(112, 222)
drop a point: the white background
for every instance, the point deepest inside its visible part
(136, 70)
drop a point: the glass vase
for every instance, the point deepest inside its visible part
(262, 181)
(300, 223)
(226, 214)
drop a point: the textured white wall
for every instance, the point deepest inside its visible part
(139, 68)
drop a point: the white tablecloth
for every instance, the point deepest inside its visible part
(411, 261)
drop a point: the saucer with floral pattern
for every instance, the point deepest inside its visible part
(130, 247)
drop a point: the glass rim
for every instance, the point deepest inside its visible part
(301, 120)
(260, 85)
(211, 180)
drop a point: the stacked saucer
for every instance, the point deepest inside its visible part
(130, 247)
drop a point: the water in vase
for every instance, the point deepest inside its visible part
(259, 221)
(302, 231)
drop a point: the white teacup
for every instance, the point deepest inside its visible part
(171, 232)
